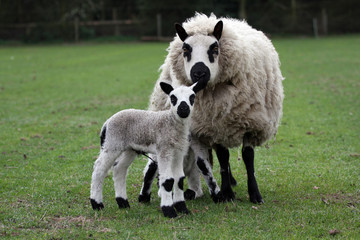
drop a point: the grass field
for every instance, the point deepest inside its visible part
(54, 100)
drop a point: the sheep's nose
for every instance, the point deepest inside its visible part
(183, 110)
(200, 72)
(199, 75)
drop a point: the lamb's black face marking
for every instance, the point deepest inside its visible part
(183, 110)
(187, 49)
(213, 50)
(173, 100)
(192, 99)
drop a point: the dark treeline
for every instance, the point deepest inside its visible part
(45, 20)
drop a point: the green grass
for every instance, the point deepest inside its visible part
(54, 100)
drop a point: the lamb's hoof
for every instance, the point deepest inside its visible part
(189, 194)
(144, 198)
(169, 211)
(228, 195)
(181, 207)
(95, 205)
(255, 197)
(122, 203)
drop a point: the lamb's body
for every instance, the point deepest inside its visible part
(156, 128)
(164, 133)
(242, 103)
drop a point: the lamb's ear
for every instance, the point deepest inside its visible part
(181, 32)
(218, 30)
(196, 87)
(167, 88)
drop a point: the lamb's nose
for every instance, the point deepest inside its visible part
(183, 110)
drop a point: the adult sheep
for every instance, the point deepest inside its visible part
(242, 103)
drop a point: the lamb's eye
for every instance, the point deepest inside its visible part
(215, 49)
(185, 50)
(173, 100)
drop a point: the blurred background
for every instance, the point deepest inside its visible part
(33, 21)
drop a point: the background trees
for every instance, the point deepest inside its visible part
(37, 20)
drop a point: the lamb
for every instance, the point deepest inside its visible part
(164, 133)
(242, 102)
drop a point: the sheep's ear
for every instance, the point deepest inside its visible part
(167, 88)
(196, 87)
(181, 32)
(218, 30)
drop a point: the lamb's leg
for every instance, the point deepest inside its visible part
(223, 157)
(166, 182)
(149, 175)
(179, 176)
(119, 176)
(248, 157)
(101, 167)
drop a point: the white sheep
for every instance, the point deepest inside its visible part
(242, 102)
(164, 133)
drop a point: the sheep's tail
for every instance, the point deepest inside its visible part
(103, 135)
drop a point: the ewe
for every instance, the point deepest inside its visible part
(242, 102)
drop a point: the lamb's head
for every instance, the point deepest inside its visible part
(201, 54)
(182, 98)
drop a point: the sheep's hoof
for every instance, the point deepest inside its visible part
(255, 197)
(95, 205)
(181, 207)
(169, 211)
(122, 203)
(217, 198)
(189, 194)
(144, 198)
(228, 195)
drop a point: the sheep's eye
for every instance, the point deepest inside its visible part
(215, 49)
(185, 50)
(173, 100)
(192, 99)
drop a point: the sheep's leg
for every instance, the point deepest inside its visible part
(179, 176)
(194, 182)
(202, 156)
(119, 176)
(149, 175)
(253, 190)
(101, 167)
(223, 157)
(166, 182)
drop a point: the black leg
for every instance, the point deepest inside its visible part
(148, 180)
(223, 157)
(248, 157)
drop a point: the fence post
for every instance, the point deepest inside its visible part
(315, 28)
(158, 25)
(116, 29)
(76, 29)
(324, 21)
